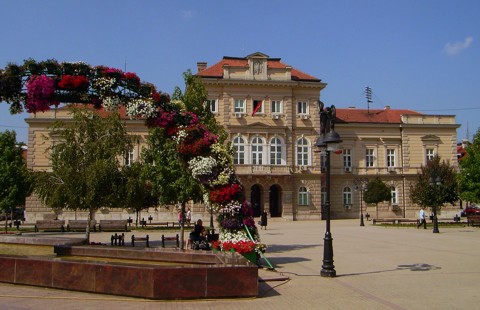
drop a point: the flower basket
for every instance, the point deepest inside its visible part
(251, 256)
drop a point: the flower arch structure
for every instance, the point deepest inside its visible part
(38, 86)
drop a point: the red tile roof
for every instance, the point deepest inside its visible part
(389, 116)
(216, 71)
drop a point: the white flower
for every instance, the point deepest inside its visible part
(140, 108)
(232, 208)
(103, 86)
(181, 134)
(201, 165)
(235, 237)
(111, 103)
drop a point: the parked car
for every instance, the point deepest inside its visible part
(471, 210)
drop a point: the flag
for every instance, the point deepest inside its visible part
(257, 104)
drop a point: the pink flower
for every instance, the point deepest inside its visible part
(40, 93)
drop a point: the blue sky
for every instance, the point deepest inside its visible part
(414, 54)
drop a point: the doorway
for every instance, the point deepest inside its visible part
(275, 198)
(256, 199)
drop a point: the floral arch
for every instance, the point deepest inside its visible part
(38, 86)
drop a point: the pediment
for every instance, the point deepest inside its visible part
(430, 138)
(257, 55)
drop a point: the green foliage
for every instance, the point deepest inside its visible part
(170, 179)
(85, 163)
(136, 189)
(377, 191)
(15, 179)
(426, 192)
(194, 98)
(469, 176)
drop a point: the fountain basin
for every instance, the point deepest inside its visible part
(199, 274)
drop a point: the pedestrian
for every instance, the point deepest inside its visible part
(422, 219)
(263, 220)
(189, 217)
(180, 218)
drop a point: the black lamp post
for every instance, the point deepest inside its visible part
(212, 230)
(329, 142)
(361, 185)
(435, 183)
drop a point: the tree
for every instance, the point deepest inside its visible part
(136, 189)
(85, 164)
(469, 176)
(436, 185)
(15, 179)
(171, 181)
(377, 191)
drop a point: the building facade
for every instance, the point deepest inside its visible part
(270, 111)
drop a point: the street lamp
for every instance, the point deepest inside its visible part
(330, 142)
(361, 185)
(434, 183)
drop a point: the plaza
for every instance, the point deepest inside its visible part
(377, 268)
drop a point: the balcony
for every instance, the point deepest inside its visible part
(262, 169)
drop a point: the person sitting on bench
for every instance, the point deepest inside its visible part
(198, 235)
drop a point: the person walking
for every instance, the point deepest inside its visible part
(422, 219)
(263, 220)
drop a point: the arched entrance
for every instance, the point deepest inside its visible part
(275, 198)
(256, 199)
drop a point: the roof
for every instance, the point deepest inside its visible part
(216, 70)
(352, 115)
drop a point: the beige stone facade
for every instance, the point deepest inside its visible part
(270, 111)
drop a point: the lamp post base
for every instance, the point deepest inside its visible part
(328, 269)
(361, 220)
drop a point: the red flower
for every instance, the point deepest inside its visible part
(74, 82)
(226, 193)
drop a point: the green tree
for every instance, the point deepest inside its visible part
(469, 176)
(15, 179)
(436, 185)
(85, 164)
(136, 189)
(171, 181)
(377, 191)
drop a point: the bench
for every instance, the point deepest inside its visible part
(120, 225)
(473, 220)
(385, 221)
(170, 239)
(118, 239)
(396, 221)
(145, 239)
(160, 224)
(81, 225)
(50, 225)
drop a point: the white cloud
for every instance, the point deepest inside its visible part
(187, 14)
(457, 47)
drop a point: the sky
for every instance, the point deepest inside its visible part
(414, 54)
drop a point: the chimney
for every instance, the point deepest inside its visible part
(387, 107)
(201, 66)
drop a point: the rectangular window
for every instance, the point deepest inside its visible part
(390, 157)
(303, 196)
(302, 107)
(129, 157)
(212, 105)
(239, 106)
(276, 107)
(347, 158)
(430, 154)
(393, 191)
(257, 107)
(369, 158)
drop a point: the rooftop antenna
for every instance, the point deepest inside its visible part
(468, 132)
(368, 95)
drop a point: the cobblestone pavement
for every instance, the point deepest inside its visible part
(377, 268)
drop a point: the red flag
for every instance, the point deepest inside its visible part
(257, 104)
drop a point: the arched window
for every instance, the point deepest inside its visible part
(394, 193)
(303, 155)
(347, 196)
(239, 151)
(303, 196)
(276, 150)
(257, 151)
